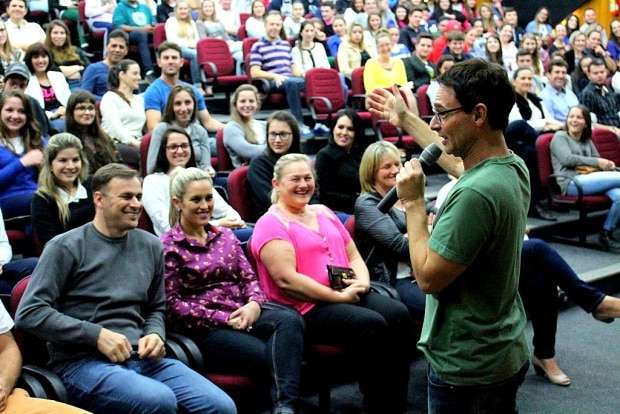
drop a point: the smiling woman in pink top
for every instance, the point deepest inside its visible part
(293, 244)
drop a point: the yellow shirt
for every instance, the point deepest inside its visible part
(376, 76)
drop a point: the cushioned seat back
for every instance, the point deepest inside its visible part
(325, 83)
(607, 144)
(543, 151)
(238, 193)
(217, 52)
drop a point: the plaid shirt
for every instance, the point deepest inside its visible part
(603, 102)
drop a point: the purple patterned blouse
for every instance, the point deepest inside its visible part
(206, 283)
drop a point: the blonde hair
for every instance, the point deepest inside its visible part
(185, 26)
(281, 164)
(180, 178)
(213, 17)
(362, 44)
(248, 132)
(371, 161)
(47, 181)
(8, 52)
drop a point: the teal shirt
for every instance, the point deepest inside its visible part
(473, 330)
(131, 15)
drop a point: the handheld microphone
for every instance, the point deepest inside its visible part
(428, 157)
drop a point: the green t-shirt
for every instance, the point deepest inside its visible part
(473, 330)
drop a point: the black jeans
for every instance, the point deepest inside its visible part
(521, 138)
(542, 271)
(273, 348)
(378, 332)
(496, 398)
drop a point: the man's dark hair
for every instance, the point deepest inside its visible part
(509, 9)
(328, 3)
(415, 9)
(456, 35)
(118, 34)
(557, 62)
(477, 81)
(425, 35)
(524, 52)
(168, 46)
(596, 62)
(105, 174)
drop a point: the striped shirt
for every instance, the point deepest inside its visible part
(272, 56)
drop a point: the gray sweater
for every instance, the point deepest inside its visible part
(86, 281)
(200, 143)
(566, 154)
(239, 149)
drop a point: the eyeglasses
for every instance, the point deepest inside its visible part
(441, 115)
(85, 108)
(175, 147)
(282, 135)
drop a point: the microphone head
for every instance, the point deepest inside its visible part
(430, 155)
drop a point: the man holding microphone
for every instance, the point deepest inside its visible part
(473, 332)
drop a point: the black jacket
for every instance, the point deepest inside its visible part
(338, 176)
(417, 72)
(382, 236)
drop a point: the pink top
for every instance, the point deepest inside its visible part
(313, 250)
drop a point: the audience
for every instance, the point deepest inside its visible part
(69, 59)
(182, 30)
(384, 71)
(48, 86)
(176, 150)
(354, 52)
(292, 259)
(229, 17)
(595, 49)
(8, 54)
(557, 97)
(95, 77)
(338, 163)
(100, 14)
(170, 60)
(181, 111)
(308, 54)
(292, 23)
(600, 99)
(21, 154)
(613, 44)
(22, 34)
(255, 24)
(282, 138)
(214, 294)
(136, 19)
(244, 136)
(122, 111)
(577, 42)
(82, 121)
(63, 200)
(417, 67)
(108, 347)
(16, 78)
(573, 149)
(540, 25)
(382, 237)
(270, 59)
(409, 34)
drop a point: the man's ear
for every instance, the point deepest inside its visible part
(480, 113)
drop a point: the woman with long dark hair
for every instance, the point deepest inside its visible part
(21, 154)
(83, 122)
(69, 59)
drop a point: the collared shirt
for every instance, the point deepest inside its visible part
(80, 194)
(603, 102)
(272, 57)
(557, 103)
(206, 283)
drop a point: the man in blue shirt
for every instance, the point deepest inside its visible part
(137, 20)
(556, 97)
(170, 61)
(95, 77)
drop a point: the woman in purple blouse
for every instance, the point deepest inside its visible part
(213, 294)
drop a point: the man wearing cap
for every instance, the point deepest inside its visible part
(16, 77)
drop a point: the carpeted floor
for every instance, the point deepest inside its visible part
(587, 350)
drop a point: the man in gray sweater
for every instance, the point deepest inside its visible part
(97, 297)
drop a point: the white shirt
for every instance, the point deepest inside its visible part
(6, 323)
(156, 201)
(122, 121)
(25, 34)
(80, 194)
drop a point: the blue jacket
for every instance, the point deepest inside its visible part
(14, 177)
